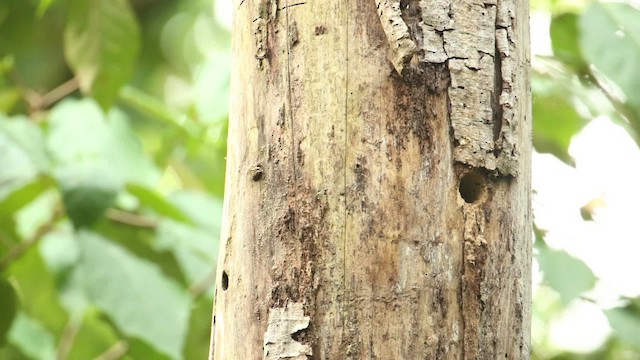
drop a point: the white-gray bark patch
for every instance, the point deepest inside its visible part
(282, 323)
(475, 38)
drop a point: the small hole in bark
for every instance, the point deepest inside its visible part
(471, 187)
(225, 281)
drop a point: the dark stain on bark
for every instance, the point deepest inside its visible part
(300, 229)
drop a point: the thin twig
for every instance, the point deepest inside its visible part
(131, 219)
(38, 102)
(199, 287)
(68, 338)
(18, 250)
(630, 117)
(58, 93)
(115, 352)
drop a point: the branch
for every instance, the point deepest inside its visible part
(38, 102)
(630, 117)
(58, 93)
(18, 250)
(199, 287)
(115, 352)
(132, 219)
(68, 338)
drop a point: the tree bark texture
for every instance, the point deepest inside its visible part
(378, 182)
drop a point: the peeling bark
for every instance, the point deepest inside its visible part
(282, 324)
(378, 180)
(475, 40)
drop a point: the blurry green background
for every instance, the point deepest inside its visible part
(113, 118)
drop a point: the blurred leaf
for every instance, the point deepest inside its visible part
(93, 338)
(141, 242)
(626, 321)
(34, 43)
(61, 253)
(555, 119)
(204, 163)
(32, 338)
(92, 168)
(157, 203)
(158, 110)
(8, 237)
(587, 210)
(10, 351)
(102, 40)
(124, 153)
(37, 291)
(139, 349)
(107, 142)
(29, 137)
(212, 77)
(193, 248)
(8, 304)
(43, 6)
(197, 344)
(565, 40)
(87, 192)
(23, 196)
(610, 39)
(567, 275)
(18, 155)
(9, 97)
(134, 293)
(203, 208)
(78, 132)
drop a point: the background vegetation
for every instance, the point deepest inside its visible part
(112, 140)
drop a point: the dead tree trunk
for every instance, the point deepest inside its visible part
(378, 182)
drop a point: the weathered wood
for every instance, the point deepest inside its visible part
(378, 180)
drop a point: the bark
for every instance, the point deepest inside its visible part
(378, 182)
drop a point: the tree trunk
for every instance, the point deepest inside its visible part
(378, 182)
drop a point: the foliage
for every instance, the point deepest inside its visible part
(112, 176)
(112, 143)
(592, 73)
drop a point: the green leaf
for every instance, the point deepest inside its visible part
(610, 39)
(205, 163)
(94, 337)
(32, 338)
(626, 322)
(9, 98)
(194, 249)
(87, 192)
(204, 209)
(78, 132)
(8, 304)
(24, 195)
(124, 153)
(565, 40)
(29, 137)
(157, 203)
(555, 119)
(22, 153)
(197, 346)
(567, 275)
(101, 44)
(141, 242)
(138, 298)
(158, 110)
(43, 6)
(106, 141)
(139, 349)
(36, 288)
